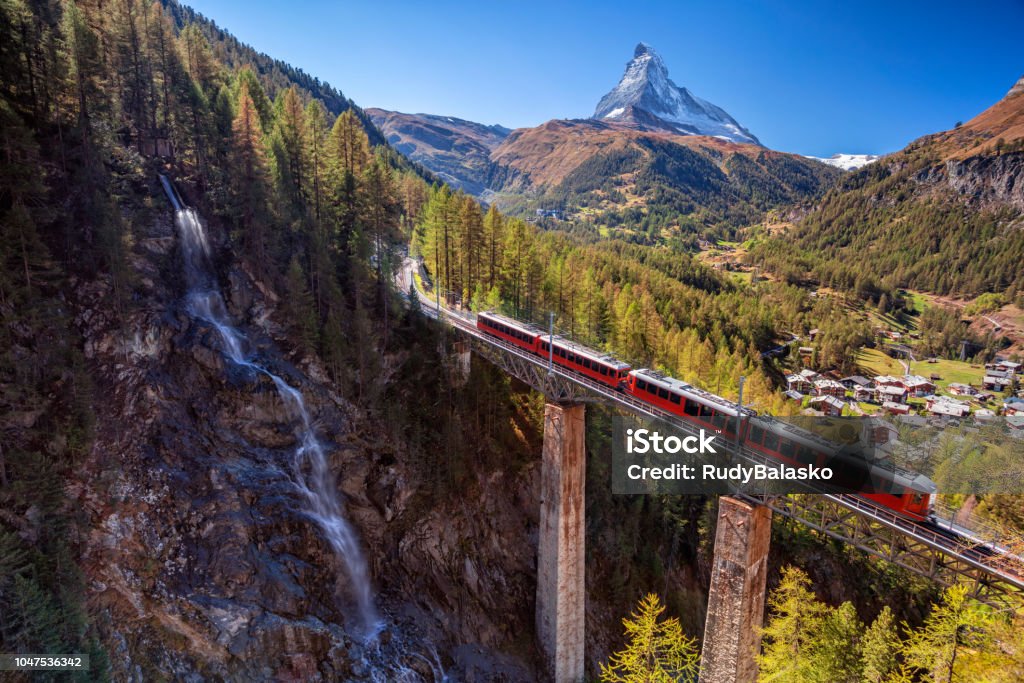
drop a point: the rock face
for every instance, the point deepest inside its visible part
(457, 151)
(646, 98)
(200, 562)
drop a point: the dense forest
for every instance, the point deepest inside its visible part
(884, 227)
(96, 100)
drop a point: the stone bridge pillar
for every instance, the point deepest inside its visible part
(560, 555)
(736, 599)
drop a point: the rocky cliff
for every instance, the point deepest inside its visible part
(200, 558)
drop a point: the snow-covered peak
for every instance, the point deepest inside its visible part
(647, 97)
(1018, 87)
(848, 162)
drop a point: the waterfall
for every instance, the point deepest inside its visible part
(310, 470)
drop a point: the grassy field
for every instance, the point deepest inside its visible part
(875, 362)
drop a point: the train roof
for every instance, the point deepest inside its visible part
(511, 322)
(688, 390)
(580, 349)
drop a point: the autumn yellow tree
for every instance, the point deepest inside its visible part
(656, 650)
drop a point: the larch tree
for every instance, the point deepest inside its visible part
(248, 176)
(656, 649)
(788, 640)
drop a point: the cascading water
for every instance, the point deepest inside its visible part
(309, 466)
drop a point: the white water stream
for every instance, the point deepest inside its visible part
(310, 470)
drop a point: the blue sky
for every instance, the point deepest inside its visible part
(809, 76)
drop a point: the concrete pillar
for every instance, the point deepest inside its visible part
(736, 600)
(459, 360)
(560, 556)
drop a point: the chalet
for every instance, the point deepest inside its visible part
(917, 385)
(894, 408)
(865, 394)
(958, 389)
(946, 407)
(854, 381)
(893, 393)
(812, 334)
(828, 405)
(829, 387)
(888, 381)
(984, 414)
(794, 395)
(1009, 367)
(996, 380)
(1013, 406)
(806, 351)
(983, 397)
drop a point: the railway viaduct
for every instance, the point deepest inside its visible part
(739, 570)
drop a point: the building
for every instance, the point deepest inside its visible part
(794, 395)
(828, 405)
(896, 408)
(1007, 366)
(917, 385)
(854, 381)
(996, 380)
(947, 407)
(893, 393)
(958, 389)
(865, 394)
(1013, 406)
(888, 381)
(829, 387)
(802, 381)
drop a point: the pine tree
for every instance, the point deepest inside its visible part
(656, 650)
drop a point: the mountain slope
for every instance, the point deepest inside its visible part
(945, 215)
(654, 182)
(458, 151)
(646, 98)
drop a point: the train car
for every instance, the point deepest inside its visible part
(603, 367)
(684, 400)
(521, 334)
(906, 493)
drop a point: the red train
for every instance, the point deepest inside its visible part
(912, 494)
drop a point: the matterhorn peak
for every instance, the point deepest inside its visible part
(1018, 87)
(647, 98)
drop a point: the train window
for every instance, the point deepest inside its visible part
(806, 455)
(604, 370)
(706, 411)
(674, 398)
(691, 408)
(917, 499)
(787, 448)
(771, 441)
(641, 385)
(586, 363)
(663, 394)
(756, 434)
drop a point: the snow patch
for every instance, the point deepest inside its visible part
(848, 162)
